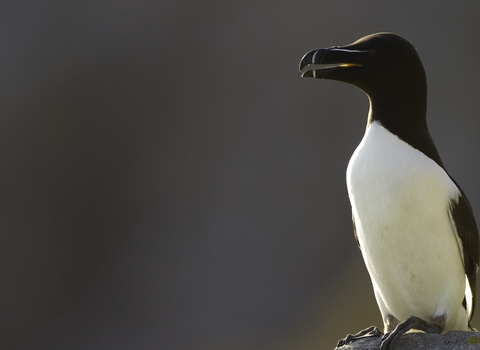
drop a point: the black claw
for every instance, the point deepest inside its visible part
(371, 331)
(412, 322)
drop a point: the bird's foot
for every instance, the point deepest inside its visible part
(412, 322)
(371, 331)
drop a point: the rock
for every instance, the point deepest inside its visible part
(455, 340)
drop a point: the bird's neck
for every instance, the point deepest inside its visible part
(405, 118)
(399, 114)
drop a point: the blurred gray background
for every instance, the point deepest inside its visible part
(168, 181)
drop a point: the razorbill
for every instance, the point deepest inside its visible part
(412, 221)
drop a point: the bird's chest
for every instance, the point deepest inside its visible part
(400, 202)
(399, 196)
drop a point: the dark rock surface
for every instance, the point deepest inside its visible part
(456, 340)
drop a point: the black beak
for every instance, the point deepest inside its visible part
(339, 58)
(312, 57)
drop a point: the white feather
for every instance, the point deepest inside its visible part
(469, 298)
(400, 202)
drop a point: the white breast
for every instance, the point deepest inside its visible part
(400, 202)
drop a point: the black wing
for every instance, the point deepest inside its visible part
(468, 233)
(355, 232)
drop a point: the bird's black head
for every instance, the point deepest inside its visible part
(380, 64)
(387, 68)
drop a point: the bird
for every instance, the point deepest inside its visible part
(412, 222)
